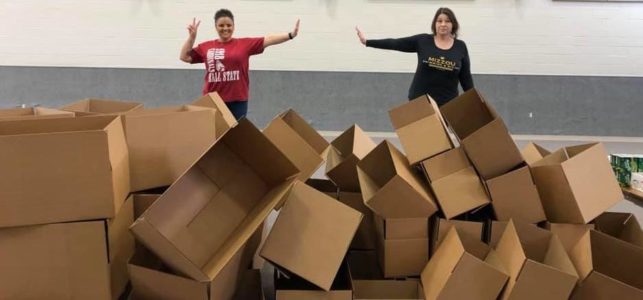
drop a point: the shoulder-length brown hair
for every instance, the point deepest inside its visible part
(447, 11)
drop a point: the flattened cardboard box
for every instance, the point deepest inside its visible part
(533, 152)
(343, 155)
(576, 184)
(164, 142)
(67, 260)
(296, 288)
(482, 134)
(623, 226)
(311, 235)
(421, 129)
(454, 182)
(536, 262)
(390, 187)
(454, 272)
(33, 113)
(402, 246)
(206, 217)
(301, 143)
(440, 228)
(226, 119)
(515, 196)
(82, 175)
(91, 107)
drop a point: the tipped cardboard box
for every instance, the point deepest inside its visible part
(311, 235)
(482, 134)
(440, 228)
(365, 237)
(301, 143)
(455, 272)
(515, 196)
(30, 113)
(390, 187)
(226, 119)
(75, 260)
(402, 246)
(59, 170)
(536, 262)
(343, 155)
(576, 184)
(296, 288)
(164, 142)
(623, 226)
(533, 152)
(609, 268)
(454, 181)
(92, 107)
(201, 223)
(421, 129)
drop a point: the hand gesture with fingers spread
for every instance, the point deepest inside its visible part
(360, 35)
(192, 28)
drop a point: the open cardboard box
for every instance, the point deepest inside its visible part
(421, 129)
(515, 196)
(33, 113)
(91, 107)
(402, 245)
(226, 119)
(201, 223)
(296, 288)
(59, 170)
(568, 234)
(440, 228)
(576, 184)
(301, 143)
(533, 152)
(343, 155)
(365, 237)
(482, 134)
(623, 226)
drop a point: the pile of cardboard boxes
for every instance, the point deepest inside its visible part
(104, 199)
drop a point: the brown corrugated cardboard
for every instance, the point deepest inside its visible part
(482, 133)
(496, 229)
(472, 229)
(421, 130)
(250, 287)
(201, 223)
(301, 143)
(623, 226)
(365, 236)
(387, 289)
(82, 175)
(390, 187)
(533, 152)
(33, 113)
(66, 260)
(456, 185)
(576, 184)
(609, 268)
(226, 120)
(568, 234)
(343, 155)
(164, 142)
(363, 265)
(454, 272)
(142, 202)
(91, 107)
(325, 186)
(515, 196)
(536, 262)
(402, 246)
(296, 288)
(311, 235)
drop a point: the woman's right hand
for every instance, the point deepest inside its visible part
(192, 28)
(360, 35)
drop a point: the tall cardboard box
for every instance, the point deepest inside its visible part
(91, 107)
(390, 187)
(311, 236)
(536, 262)
(456, 272)
(421, 129)
(226, 119)
(482, 134)
(533, 152)
(301, 143)
(365, 237)
(576, 184)
(515, 196)
(345, 152)
(164, 142)
(296, 288)
(201, 223)
(440, 228)
(402, 246)
(60, 170)
(454, 182)
(75, 260)
(30, 113)
(623, 226)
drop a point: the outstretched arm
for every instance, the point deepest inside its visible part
(275, 39)
(407, 44)
(189, 43)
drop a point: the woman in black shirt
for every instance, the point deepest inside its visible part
(443, 60)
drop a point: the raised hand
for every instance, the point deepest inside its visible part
(360, 35)
(296, 30)
(192, 28)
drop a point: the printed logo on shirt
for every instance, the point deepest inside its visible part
(216, 69)
(441, 63)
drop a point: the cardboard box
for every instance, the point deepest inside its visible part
(226, 119)
(201, 223)
(296, 288)
(311, 235)
(30, 113)
(568, 234)
(92, 107)
(623, 226)
(387, 289)
(164, 142)
(440, 228)
(482, 134)
(365, 237)
(82, 175)
(576, 184)
(536, 262)
(402, 246)
(345, 152)
(533, 152)
(325, 186)
(75, 260)
(496, 229)
(454, 182)
(608, 267)
(142, 202)
(390, 187)
(515, 196)
(364, 265)
(301, 143)
(421, 129)
(455, 272)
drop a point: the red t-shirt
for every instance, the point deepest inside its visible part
(226, 66)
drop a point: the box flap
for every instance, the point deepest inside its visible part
(33, 113)
(306, 131)
(467, 113)
(423, 139)
(533, 152)
(555, 193)
(473, 230)
(345, 151)
(514, 195)
(386, 289)
(624, 226)
(435, 275)
(445, 164)
(411, 111)
(460, 192)
(599, 286)
(213, 100)
(406, 228)
(102, 106)
(617, 259)
(569, 234)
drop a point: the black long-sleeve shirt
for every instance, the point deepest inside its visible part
(438, 71)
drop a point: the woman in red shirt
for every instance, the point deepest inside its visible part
(226, 59)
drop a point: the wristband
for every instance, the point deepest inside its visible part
(290, 35)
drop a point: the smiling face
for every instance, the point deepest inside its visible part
(443, 25)
(225, 28)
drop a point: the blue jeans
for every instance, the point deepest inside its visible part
(238, 108)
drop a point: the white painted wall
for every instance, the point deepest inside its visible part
(504, 36)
